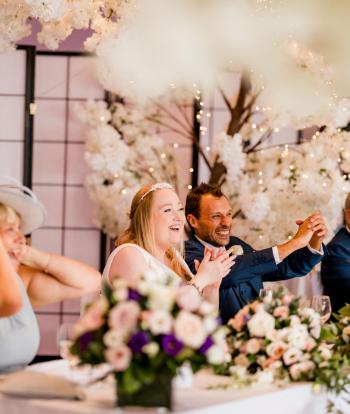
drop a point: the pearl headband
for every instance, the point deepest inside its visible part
(155, 187)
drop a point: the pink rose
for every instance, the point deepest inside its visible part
(237, 322)
(188, 298)
(276, 349)
(268, 363)
(189, 329)
(310, 344)
(286, 299)
(297, 369)
(346, 333)
(93, 318)
(119, 357)
(124, 316)
(281, 312)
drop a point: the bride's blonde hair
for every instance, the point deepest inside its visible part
(141, 230)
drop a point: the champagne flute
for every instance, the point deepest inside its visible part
(322, 305)
(64, 338)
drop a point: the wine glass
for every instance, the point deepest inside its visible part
(64, 338)
(322, 305)
(266, 294)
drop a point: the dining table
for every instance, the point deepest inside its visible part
(207, 394)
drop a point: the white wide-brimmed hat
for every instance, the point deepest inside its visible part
(24, 202)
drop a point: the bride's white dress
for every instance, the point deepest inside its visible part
(160, 269)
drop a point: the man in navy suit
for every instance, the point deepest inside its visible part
(335, 270)
(209, 215)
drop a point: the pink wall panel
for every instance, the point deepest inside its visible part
(51, 76)
(48, 163)
(12, 72)
(53, 111)
(11, 117)
(76, 166)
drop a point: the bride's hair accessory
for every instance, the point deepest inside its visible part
(155, 187)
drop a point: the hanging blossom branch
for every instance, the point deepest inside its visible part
(123, 153)
(58, 19)
(184, 127)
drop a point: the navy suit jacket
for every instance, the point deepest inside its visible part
(251, 269)
(335, 270)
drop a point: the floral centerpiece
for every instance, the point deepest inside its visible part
(276, 339)
(146, 334)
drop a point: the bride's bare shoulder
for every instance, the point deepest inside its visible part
(129, 262)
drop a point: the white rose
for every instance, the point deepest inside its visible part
(216, 355)
(295, 371)
(113, 338)
(261, 324)
(325, 351)
(160, 322)
(210, 324)
(237, 250)
(189, 329)
(151, 349)
(120, 294)
(161, 297)
(253, 346)
(294, 320)
(220, 334)
(292, 355)
(316, 331)
(206, 308)
(298, 336)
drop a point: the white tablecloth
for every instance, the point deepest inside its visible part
(294, 399)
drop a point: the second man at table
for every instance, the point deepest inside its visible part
(209, 215)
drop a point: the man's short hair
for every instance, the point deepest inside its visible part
(347, 202)
(193, 199)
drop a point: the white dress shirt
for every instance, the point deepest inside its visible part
(275, 253)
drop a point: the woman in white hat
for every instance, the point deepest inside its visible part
(43, 278)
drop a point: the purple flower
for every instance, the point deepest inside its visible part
(134, 295)
(138, 341)
(171, 345)
(206, 345)
(85, 340)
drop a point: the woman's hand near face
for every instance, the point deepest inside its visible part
(10, 294)
(35, 258)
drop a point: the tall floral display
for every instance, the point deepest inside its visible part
(124, 152)
(272, 186)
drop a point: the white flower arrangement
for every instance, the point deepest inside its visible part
(123, 152)
(127, 329)
(264, 185)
